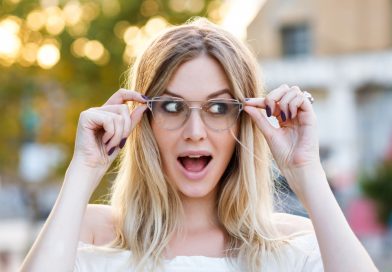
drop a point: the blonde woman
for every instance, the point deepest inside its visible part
(194, 190)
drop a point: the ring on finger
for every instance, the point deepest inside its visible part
(309, 96)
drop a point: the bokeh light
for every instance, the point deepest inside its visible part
(48, 55)
(72, 12)
(94, 50)
(36, 19)
(24, 40)
(130, 34)
(155, 25)
(49, 3)
(90, 11)
(29, 54)
(10, 45)
(55, 22)
(136, 38)
(10, 41)
(77, 47)
(190, 6)
(217, 10)
(120, 28)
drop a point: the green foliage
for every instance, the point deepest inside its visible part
(44, 105)
(379, 188)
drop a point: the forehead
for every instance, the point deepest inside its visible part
(198, 79)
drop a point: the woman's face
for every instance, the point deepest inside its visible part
(196, 80)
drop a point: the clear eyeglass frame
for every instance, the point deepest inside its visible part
(178, 120)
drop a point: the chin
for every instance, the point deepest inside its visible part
(195, 191)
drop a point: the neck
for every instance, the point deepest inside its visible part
(200, 213)
(200, 232)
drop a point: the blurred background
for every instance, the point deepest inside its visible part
(58, 58)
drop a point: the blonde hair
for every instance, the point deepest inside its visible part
(148, 207)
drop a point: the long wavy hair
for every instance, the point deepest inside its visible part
(148, 208)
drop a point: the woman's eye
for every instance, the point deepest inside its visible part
(218, 108)
(173, 106)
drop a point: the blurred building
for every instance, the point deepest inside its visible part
(340, 51)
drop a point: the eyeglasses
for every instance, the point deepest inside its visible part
(217, 114)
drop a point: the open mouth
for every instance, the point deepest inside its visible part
(194, 163)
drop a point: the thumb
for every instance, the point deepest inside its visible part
(261, 121)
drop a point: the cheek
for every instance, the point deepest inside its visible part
(225, 145)
(230, 140)
(230, 143)
(229, 147)
(158, 136)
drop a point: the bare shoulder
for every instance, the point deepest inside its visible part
(98, 224)
(290, 224)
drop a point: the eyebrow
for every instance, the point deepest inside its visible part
(214, 94)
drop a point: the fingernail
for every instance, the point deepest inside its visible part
(145, 97)
(268, 110)
(111, 150)
(283, 115)
(122, 143)
(290, 117)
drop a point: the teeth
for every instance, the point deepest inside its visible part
(194, 156)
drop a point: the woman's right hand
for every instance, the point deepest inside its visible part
(102, 131)
(110, 123)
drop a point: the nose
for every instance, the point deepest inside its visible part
(194, 128)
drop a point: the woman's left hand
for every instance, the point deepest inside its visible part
(294, 144)
(295, 148)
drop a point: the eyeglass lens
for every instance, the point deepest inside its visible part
(216, 114)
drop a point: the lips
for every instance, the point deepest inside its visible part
(194, 164)
(195, 153)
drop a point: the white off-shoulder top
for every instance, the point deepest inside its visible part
(301, 254)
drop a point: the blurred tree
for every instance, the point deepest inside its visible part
(378, 187)
(60, 57)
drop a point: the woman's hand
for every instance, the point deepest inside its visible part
(295, 143)
(102, 131)
(295, 148)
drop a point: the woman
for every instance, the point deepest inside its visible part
(194, 190)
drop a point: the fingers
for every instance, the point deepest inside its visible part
(258, 102)
(283, 102)
(273, 97)
(298, 102)
(124, 95)
(124, 122)
(261, 121)
(137, 115)
(113, 126)
(123, 111)
(95, 120)
(269, 101)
